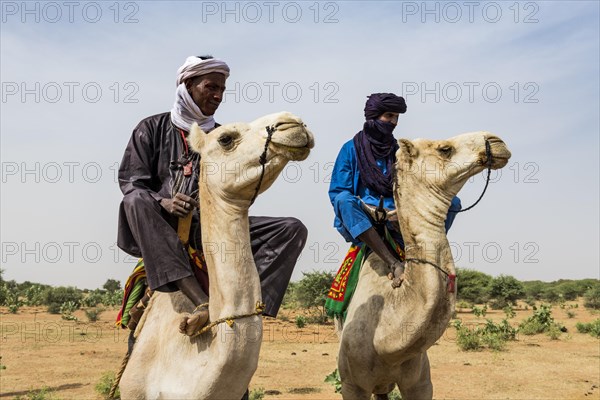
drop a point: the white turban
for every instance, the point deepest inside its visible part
(195, 66)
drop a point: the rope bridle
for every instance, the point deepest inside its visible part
(488, 155)
(263, 160)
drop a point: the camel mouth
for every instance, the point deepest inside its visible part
(292, 140)
(499, 153)
(293, 153)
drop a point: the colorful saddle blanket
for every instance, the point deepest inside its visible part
(136, 284)
(346, 279)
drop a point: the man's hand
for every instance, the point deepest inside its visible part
(180, 205)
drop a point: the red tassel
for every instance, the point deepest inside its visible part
(451, 283)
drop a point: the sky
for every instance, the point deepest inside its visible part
(78, 76)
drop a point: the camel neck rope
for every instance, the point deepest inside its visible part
(260, 308)
(450, 278)
(263, 160)
(488, 155)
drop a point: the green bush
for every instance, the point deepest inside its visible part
(541, 321)
(593, 328)
(300, 321)
(40, 394)
(67, 309)
(113, 299)
(479, 311)
(506, 289)
(105, 384)
(569, 290)
(93, 298)
(311, 291)
(334, 379)
(34, 295)
(93, 314)
(257, 394)
(12, 301)
(534, 290)
(592, 297)
(467, 339)
(551, 295)
(112, 285)
(473, 286)
(54, 298)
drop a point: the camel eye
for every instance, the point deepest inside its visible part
(225, 141)
(445, 151)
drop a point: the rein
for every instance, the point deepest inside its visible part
(263, 160)
(488, 154)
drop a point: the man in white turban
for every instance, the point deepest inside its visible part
(159, 180)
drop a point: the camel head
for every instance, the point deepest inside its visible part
(443, 166)
(231, 154)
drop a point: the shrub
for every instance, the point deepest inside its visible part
(541, 321)
(67, 309)
(105, 384)
(34, 295)
(54, 298)
(300, 321)
(92, 299)
(12, 301)
(510, 313)
(3, 294)
(467, 339)
(113, 299)
(479, 311)
(334, 379)
(569, 290)
(473, 286)
(506, 289)
(593, 328)
(41, 394)
(494, 341)
(551, 295)
(257, 394)
(534, 290)
(311, 291)
(592, 298)
(553, 332)
(463, 304)
(112, 285)
(94, 314)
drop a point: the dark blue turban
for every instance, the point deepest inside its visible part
(378, 103)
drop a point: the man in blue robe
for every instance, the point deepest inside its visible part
(364, 171)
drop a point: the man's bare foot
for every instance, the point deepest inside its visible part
(396, 274)
(192, 323)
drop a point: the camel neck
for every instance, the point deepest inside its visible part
(233, 278)
(422, 223)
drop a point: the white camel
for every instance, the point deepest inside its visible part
(387, 331)
(218, 364)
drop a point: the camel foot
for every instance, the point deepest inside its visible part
(397, 274)
(192, 323)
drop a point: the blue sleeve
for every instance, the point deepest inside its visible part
(342, 177)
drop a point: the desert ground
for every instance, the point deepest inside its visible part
(67, 358)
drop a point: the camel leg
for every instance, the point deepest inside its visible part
(353, 392)
(422, 389)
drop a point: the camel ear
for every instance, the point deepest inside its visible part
(196, 138)
(407, 149)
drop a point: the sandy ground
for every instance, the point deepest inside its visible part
(68, 358)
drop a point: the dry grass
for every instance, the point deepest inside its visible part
(68, 358)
